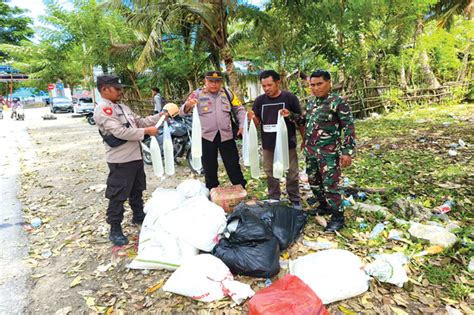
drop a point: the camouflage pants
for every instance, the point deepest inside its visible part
(324, 173)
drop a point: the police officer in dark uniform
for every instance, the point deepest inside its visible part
(122, 131)
(215, 104)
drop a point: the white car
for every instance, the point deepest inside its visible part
(84, 105)
(61, 104)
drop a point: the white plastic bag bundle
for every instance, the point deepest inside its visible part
(156, 157)
(162, 200)
(168, 150)
(333, 274)
(389, 268)
(281, 156)
(192, 187)
(161, 250)
(206, 278)
(196, 141)
(253, 151)
(245, 143)
(197, 221)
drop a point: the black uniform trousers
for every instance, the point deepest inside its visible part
(125, 181)
(230, 157)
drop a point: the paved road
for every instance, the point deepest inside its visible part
(14, 274)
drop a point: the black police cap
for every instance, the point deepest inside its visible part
(109, 80)
(214, 75)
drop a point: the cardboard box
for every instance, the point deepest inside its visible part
(228, 197)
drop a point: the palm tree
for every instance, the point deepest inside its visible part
(205, 19)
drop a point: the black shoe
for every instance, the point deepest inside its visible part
(138, 221)
(320, 211)
(335, 225)
(116, 235)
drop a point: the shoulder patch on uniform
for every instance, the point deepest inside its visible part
(107, 110)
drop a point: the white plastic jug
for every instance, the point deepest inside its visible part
(196, 141)
(253, 152)
(281, 154)
(156, 157)
(245, 142)
(168, 150)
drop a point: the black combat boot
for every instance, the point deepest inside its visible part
(335, 224)
(116, 235)
(320, 210)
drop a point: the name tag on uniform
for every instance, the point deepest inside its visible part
(270, 128)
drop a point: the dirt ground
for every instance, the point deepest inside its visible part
(75, 268)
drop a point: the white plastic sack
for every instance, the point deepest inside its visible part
(156, 157)
(434, 234)
(206, 278)
(245, 143)
(192, 187)
(333, 274)
(253, 151)
(160, 250)
(162, 200)
(197, 221)
(389, 268)
(196, 141)
(168, 150)
(281, 156)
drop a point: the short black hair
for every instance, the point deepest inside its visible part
(321, 73)
(157, 90)
(270, 73)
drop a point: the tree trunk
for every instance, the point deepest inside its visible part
(403, 77)
(465, 61)
(229, 66)
(427, 73)
(190, 86)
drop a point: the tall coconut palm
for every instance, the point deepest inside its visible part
(157, 17)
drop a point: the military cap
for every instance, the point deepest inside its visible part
(214, 75)
(109, 80)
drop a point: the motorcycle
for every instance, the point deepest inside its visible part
(180, 129)
(89, 114)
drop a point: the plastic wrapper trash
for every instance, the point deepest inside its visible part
(228, 197)
(196, 141)
(333, 274)
(254, 259)
(288, 295)
(388, 268)
(434, 234)
(156, 157)
(168, 150)
(253, 151)
(206, 278)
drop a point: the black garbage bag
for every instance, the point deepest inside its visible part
(286, 223)
(249, 228)
(254, 259)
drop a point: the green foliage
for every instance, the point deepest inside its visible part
(14, 26)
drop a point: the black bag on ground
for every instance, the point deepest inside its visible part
(285, 222)
(255, 259)
(249, 228)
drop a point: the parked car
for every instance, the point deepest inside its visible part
(84, 105)
(61, 104)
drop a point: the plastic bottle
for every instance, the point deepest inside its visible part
(377, 230)
(36, 223)
(318, 245)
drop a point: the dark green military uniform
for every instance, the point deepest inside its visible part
(329, 133)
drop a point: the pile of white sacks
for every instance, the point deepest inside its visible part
(179, 223)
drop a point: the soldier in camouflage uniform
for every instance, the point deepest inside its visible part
(328, 145)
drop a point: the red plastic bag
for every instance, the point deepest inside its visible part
(286, 296)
